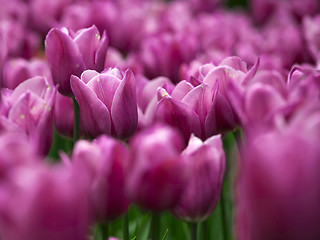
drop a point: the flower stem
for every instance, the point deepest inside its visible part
(126, 226)
(223, 216)
(76, 122)
(193, 230)
(155, 224)
(105, 230)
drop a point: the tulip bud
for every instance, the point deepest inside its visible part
(157, 171)
(104, 162)
(69, 53)
(107, 102)
(206, 162)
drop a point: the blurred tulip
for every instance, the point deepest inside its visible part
(107, 102)
(41, 202)
(18, 70)
(16, 151)
(157, 171)
(163, 55)
(70, 53)
(63, 115)
(104, 162)
(278, 192)
(206, 162)
(29, 109)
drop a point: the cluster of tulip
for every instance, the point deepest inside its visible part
(148, 90)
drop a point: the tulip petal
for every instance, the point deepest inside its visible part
(261, 101)
(105, 87)
(124, 107)
(87, 75)
(88, 41)
(179, 115)
(37, 85)
(181, 90)
(101, 53)
(94, 115)
(235, 63)
(64, 59)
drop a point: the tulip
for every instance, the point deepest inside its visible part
(18, 70)
(206, 161)
(203, 109)
(157, 171)
(163, 55)
(104, 163)
(107, 102)
(311, 30)
(147, 98)
(29, 109)
(278, 190)
(69, 53)
(16, 151)
(63, 115)
(40, 202)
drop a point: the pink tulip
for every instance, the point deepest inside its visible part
(40, 202)
(104, 163)
(278, 193)
(70, 53)
(107, 102)
(157, 171)
(29, 109)
(206, 162)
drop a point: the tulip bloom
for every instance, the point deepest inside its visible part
(157, 171)
(206, 161)
(104, 163)
(63, 115)
(29, 109)
(278, 190)
(203, 107)
(16, 151)
(69, 53)
(17, 70)
(40, 202)
(107, 102)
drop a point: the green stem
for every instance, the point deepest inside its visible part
(126, 226)
(193, 230)
(76, 122)
(105, 230)
(223, 216)
(204, 227)
(155, 225)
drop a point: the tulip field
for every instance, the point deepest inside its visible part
(159, 120)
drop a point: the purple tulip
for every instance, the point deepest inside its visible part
(16, 151)
(311, 32)
(206, 162)
(107, 102)
(104, 163)
(278, 193)
(63, 115)
(69, 53)
(147, 98)
(204, 109)
(157, 171)
(262, 9)
(164, 54)
(29, 109)
(18, 70)
(40, 202)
